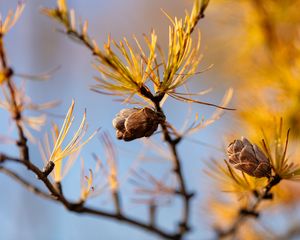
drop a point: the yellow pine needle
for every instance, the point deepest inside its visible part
(27, 133)
(230, 180)
(72, 158)
(25, 103)
(282, 165)
(200, 124)
(90, 180)
(64, 130)
(75, 144)
(111, 161)
(85, 28)
(57, 176)
(183, 58)
(62, 6)
(11, 19)
(129, 74)
(60, 169)
(72, 19)
(86, 182)
(2, 77)
(35, 123)
(43, 106)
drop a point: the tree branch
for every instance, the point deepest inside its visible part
(16, 112)
(183, 192)
(251, 211)
(77, 207)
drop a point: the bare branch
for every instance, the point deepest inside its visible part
(16, 112)
(79, 206)
(251, 211)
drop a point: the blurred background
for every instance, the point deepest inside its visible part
(254, 48)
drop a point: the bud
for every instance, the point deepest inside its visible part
(248, 158)
(136, 123)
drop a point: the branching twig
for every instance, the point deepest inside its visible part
(78, 207)
(186, 196)
(251, 211)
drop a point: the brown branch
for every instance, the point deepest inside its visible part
(77, 207)
(146, 226)
(117, 201)
(244, 214)
(177, 169)
(16, 112)
(184, 225)
(152, 213)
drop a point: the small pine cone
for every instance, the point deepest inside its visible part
(136, 123)
(248, 158)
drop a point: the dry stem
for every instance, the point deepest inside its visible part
(16, 112)
(251, 211)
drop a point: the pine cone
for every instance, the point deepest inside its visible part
(248, 158)
(136, 123)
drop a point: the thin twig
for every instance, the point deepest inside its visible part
(16, 114)
(186, 196)
(251, 211)
(79, 207)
